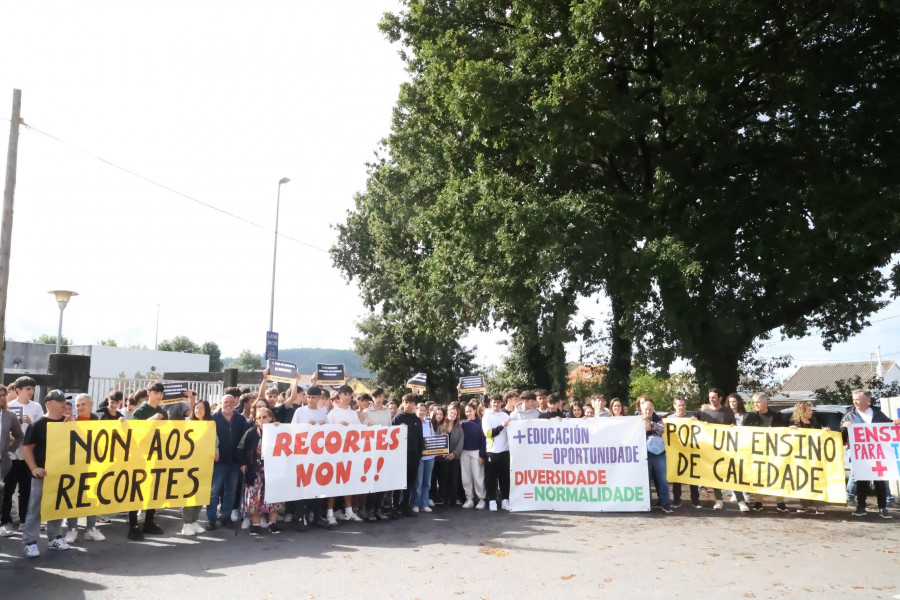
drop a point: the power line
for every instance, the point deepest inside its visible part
(169, 189)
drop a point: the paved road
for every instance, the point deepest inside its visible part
(453, 553)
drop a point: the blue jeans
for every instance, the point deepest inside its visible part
(423, 484)
(224, 486)
(656, 465)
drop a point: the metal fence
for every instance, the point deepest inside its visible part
(100, 387)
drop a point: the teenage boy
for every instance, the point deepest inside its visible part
(512, 398)
(148, 410)
(527, 408)
(377, 415)
(497, 468)
(35, 453)
(19, 476)
(342, 414)
(312, 510)
(415, 445)
(554, 408)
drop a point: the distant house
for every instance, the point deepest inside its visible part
(808, 379)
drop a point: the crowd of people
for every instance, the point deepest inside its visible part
(473, 474)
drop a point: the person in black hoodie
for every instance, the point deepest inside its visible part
(415, 445)
(763, 417)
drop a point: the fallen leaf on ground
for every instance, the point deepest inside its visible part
(567, 577)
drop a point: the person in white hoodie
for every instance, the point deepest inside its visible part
(497, 467)
(527, 408)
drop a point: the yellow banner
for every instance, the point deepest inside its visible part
(774, 461)
(99, 467)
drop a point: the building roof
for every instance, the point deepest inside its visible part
(813, 377)
(588, 372)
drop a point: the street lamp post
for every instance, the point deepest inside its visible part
(62, 298)
(281, 182)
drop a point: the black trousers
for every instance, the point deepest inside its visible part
(448, 480)
(694, 490)
(402, 498)
(863, 489)
(19, 475)
(496, 470)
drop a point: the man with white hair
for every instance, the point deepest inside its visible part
(864, 412)
(230, 428)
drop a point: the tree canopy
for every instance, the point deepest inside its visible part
(722, 170)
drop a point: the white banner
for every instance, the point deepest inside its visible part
(585, 465)
(874, 451)
(316, 461)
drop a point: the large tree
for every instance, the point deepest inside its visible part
(723, 168)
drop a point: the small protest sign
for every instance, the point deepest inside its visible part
(174, 391)
(330, 374)
(472, 384)
(418, 383)
(97, 467)
(17, 410)
(875, 451)
(436, 445)
(282, 371)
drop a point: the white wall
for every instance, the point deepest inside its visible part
(109, 361)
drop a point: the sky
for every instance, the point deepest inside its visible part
(148, 173)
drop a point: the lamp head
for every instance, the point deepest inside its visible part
(283, 180)
(62, 296)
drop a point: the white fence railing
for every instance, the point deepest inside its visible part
(100, 387)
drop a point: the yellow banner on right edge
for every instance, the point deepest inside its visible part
(774, 461)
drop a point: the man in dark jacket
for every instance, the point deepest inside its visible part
(415, 445)
(763, 417)
(864, 412)
(230, 428)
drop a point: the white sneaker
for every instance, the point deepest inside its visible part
(431, 504)
(31, 551)
(415, 509)
(71, 536)
(492, 505)
(351, 516)
(480, 505)
(468, 504)
(426, 509)
(197, 527)
(7, 530)
(719, 505)
(246, 523)
(234, 515)
(331, 520)
(743, 506)
(58, 544)
(186, 529)
(505, 505)
(339, 515)
(94, 535)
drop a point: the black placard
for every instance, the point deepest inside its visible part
(174, 391)
(18, 411)
(282, 371)
(330, 374)
(436, 445)
(472, 384)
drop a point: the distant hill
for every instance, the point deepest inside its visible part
(306, 359)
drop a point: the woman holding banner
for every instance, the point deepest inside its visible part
(804, 418)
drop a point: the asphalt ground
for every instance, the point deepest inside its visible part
(456, 553)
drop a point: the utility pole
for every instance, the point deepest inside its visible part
(9, 190)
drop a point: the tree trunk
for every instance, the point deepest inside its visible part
(717, 368)
(617, 380)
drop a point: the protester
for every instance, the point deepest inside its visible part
(576, 411)
(473, 456)
(588, 412)
(718, 414)
(864, 412)
(11, 438)
(448, 482)
(804, 418)
(736, 404)
(656, 454)
(148, 410)
(763, 417)
(679, 406)
(415, 444)
(497, 469)
(19, 475)
(554, 407)
(35, 456)
(83, 405)
(342, 414)
(617, 408)
(109, 408)
(253, 468)
(437, 415)
(598, 401)
(420, 495)
(230, 428)
(377, 415)
(526, 409)
(189, 514)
